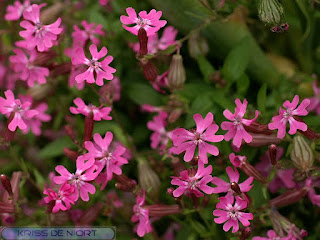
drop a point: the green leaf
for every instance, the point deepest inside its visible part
(243, 83)
(258, 195)
(262, 98)
(205, 67)
(218, 96)
(237, 60)
(39, 178)
(55, 148)
(143, 94)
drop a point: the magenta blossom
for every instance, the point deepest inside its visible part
(315, 101)
(160, 137)
(235, 127)
(311, 183)
(155, 44)
(102, 70)
(28, 72)
(63, 199)
(149, 21)
(192, 182)
(86, 171)
(37, 34)
(112, 160)
(231, 214)
(111, 91)
(223, 186)
(15, 11)
(16, 111)
(280, 121)
(80, 37)
(141, 215)
(99, 113)
(184, 140)
(271, 236)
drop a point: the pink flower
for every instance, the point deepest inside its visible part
(315, 101)
(313, 196)
(161, 82)
(280, 121)
(37, 34)
(223, 186)
(99, 113)
(141, 215)
(271, 236)
(35, 122)
(231, 214)
(63, 199)
(101, 69)
(76, 70)
(14, 12)
(112, 160)
(155, 44)
(110, 91)
(80, 37)
(193, 182)
(28, 72)
(160, 137)
(86, 171)
(13, 108)
(235, 127)
(184, 140)
(150, 22)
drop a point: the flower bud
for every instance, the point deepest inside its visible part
(90, 215)
(143, 42)
(235, 187)
(39, 91)
(73, 155)
(51, 13)
(176, 73)
(148, 179)
(273, 154)
(270, 11)
(162, 210)
(197, 45)
(177, 166)
(6, 184)
(301, 154)
(9, 135)
(124, 183)
(150, 72)
(61, 69)
(88, 127)
(289, 197)
(15, 181)
(245, 233)
(71, 134)
(6, 207)
(259, 140)
(44, 57)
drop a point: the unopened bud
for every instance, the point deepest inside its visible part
(71, 134)
(44, 57)
(235, 187)
(50, 206)
(281, 28)
(301, 154)
(143, 41)
(245, 233)
(73, 155)
(39, 91)
(6, 207)
(90, 215)
(124, 183)
(88, 127)
(174, 115)
(6, 184)
(61, 69)
(309, 133)
(194, 161)
(150, 72)
(259, 140)
(162, 210)
(256, 127)
(289, 197)
(273, 154)
(9, 135)
(176, 73)
(51, 13)
(148, 179)
(197, 45)
(177, 166)
(270, 11)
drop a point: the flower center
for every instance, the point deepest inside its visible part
(197, 138)
(233, 214)
(193, 184)
(287, 113)
(38, 28)
(94, 64)
(75, 178)
(237, 121)
(18, 108)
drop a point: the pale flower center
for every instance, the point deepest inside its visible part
(237, 121)
(233, 214)
(287, 113)
(94, 64)
(193, 184)
(197, 138)
(38, 28)
(142, 22)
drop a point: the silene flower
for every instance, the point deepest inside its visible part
(37, 34)
(232, 213)
(96, 71)
(15, 11)
(315, 100)
(80, 37)
(150, 22)
(280, 121)
(235, 128)
(184, 140)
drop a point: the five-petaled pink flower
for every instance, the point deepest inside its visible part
(272, 236)
(223, 186)
(15, 11)
(315, 101)
(184, 140)
(102, 70)
(141, 215)
(24, 65)
(99, 113)
(191, 181)
(149, 21)
(16, 111)
(63, 199)
(280, 121)
(80, 37)
(112, 160)
(86, 171)
(235, 127)
(37, 34)
(231, 214)
(160, 137)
